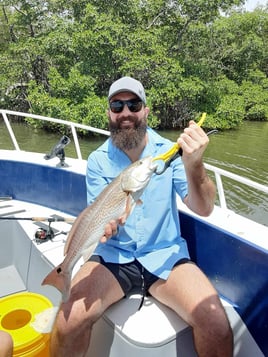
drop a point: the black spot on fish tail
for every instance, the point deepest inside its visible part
(59, 270)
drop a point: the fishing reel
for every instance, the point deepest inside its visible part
(43, 235)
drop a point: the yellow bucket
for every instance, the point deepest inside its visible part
(17, 312)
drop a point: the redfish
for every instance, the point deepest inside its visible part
(115, 202)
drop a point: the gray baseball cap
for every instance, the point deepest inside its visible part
(127, 84)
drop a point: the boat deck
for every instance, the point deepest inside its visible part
(238, 225)
(126, 327)
(230, 249)
(20, 265)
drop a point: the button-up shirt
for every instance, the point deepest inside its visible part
(151, 233)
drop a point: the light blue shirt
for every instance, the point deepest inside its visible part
(151, 233)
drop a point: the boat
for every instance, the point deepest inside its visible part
(40, 196)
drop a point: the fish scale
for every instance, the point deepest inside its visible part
(88, 229)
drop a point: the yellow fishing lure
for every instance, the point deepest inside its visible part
(169, 155)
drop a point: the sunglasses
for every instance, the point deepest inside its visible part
(134, 105)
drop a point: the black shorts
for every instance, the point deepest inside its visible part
(132, 276)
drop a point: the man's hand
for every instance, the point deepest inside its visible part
(110, 230)
(201, 190)
(193, 142)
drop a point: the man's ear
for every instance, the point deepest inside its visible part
(147, 111)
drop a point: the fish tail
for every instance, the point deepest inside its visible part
(60, 280)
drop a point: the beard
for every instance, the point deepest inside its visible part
(127, 138)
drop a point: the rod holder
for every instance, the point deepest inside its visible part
(58, 151)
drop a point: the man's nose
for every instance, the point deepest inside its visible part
(125, 109)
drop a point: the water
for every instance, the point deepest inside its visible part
(243, 151)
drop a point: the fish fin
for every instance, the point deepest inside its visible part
(128, 210)
(88, 252)
(74, 228)
(60, 280)
(130, 204)
(44, 321)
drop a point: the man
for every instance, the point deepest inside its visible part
(147, 252)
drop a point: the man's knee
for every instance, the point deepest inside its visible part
(220, 326)
(75, 316)
(211, 314)
(212, 331)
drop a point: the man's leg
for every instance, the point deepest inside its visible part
(190, 294)
(94, 289)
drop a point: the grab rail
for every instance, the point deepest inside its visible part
(217, 171)
(72, 125)
(220, 172)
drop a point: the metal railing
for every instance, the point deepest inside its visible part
(74, 126)
(243, 180)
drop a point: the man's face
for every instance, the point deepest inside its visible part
(127, 127)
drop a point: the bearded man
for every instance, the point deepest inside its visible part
(147, 252)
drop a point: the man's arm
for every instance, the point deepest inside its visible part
(201, 190)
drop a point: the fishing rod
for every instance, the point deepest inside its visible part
(40, 219)
(42, 235)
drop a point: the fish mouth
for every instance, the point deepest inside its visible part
(150, 168)
(153, 167)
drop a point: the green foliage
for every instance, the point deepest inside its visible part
(229, 114)
(59, 59)
(93, 112)
(256, 99)
(75, 87)
(228, 103)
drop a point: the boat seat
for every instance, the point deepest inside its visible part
(156, 331)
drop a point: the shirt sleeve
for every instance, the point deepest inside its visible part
(179, 178)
